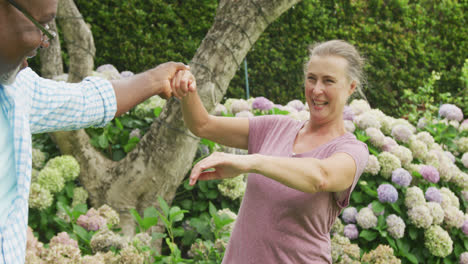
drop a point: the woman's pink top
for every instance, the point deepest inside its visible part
(278, 224)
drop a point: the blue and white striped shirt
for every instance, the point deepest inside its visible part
(34, 105)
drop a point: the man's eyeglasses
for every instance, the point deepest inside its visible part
(46, 34)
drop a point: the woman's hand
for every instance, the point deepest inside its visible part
(182, 83)
(220, 165)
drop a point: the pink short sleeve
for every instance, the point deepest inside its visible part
(359, 152)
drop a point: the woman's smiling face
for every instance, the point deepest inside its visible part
(327, 88)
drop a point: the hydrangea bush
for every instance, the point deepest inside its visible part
(410, 205)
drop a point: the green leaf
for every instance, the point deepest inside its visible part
(102, 141)
(178, 232)
(157, 235)
(186, 204)
(157, 111)
(187, 185)
(163, 205)
(200, 206)
(69, 188)
(213, 211)
(357, 197)
(136, 216)
(212, 194)
(403, 246)
(203, 185)
(78, 210)
(176, 214)
(396, 208)
(150, 212)
(118, 123)
(368, 235)
(412, 258)
(148, 222)
(377, 206)
(82, 233)
(413, 233)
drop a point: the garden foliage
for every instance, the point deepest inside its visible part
(404, 41)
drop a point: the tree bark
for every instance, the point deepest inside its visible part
(78, 39)
(157, 166)
(51, 58)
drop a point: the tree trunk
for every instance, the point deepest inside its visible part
(157, 166)
(51, 58)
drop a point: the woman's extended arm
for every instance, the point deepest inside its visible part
(228, 131)
(310, 175)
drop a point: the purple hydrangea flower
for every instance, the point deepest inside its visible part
(430, 173)
(464, 258)
(464, 121)
(387, 193)
(296, 104)
(261, 103)
(401, 177)
(389, 143)
(433, 195)
(348, 113)
(91, 220)
(451, 112)
(464, 227)
(106, 67)
(126, 74)
(351, 231)
(349, 215)
(402, 133)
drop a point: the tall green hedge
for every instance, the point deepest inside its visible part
(403, 40)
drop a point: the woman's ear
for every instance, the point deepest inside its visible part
(352, 87)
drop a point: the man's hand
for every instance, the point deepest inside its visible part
(162, 75)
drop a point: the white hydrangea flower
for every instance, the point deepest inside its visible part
(432, 158)
(366, 218)
(388, 163)
(420, 216)
(366, 120)
(438, 241)
(460, 179)
(376, 137)
(426, 138)
(463, 127)
(349, 126)
(301, 115)
(233, 188)
(246, 114)
(464, 159)
(453, 217)
(395, 226)
(437, 212)
(418, 148)
(462, 144)
(373, 165)
(220, 110)
(403, 153)
(359, 106)
(402, 133)
(401, 121)
(449, 198)
(387, 124)
(414, 197)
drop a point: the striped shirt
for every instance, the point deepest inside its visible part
(35, 105)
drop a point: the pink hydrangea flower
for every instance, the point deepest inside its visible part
(430, 173)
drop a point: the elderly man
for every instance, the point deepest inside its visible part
(31, 104)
